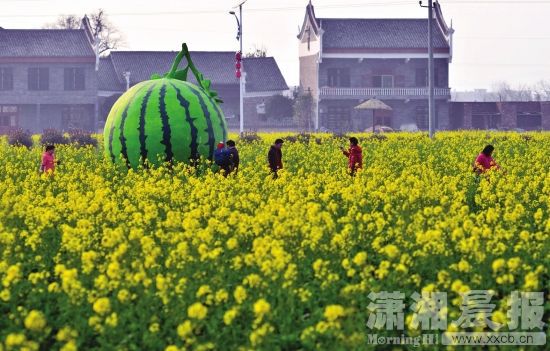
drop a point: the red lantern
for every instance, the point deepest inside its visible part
(238, 74)
(238, 56)
(238, 65)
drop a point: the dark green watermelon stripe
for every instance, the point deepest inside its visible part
(111, 134)
(122, 138)
(194, 131)
(220, 117)
(210, 129)
(124, 148)
(113, 119)
(141, 128)
(166, 130)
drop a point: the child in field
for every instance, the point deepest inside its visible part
(484, 161)
(233, 156)
(48, 160)
(354, 155)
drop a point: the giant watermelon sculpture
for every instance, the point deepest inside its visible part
(165, 119)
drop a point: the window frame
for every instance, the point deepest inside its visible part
(71, 79)
(380, 78)
(3, 85)
(38, 78)
(339, 77)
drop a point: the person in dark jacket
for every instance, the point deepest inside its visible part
(354, 155)
(234, 156)
(275, 157)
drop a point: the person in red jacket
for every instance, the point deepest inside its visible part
(484, 161)
(354, 155)
(47, 165)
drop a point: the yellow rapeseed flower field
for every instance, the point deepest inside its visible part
(103, 258)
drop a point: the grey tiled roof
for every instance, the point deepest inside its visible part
(379, 34)
(263, 74)
(106, 76)
(219, 67)
(45, 43)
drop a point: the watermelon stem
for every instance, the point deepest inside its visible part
(175, 74)
(184, 52)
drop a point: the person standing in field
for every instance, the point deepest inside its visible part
(222, 158)
(47, 165)
(484, 161)
(354, 155)
(233, 156)
(275, 157)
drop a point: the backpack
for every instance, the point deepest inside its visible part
(222, 157)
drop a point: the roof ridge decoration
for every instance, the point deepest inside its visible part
(310, 15)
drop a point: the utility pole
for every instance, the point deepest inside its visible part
(242, 74)
(431, 100)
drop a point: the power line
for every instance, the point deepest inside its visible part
(287, 8)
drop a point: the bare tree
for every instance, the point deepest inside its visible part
(109, 36)
(257, 51)
(64, 22)
(505, 92)
(542, 90)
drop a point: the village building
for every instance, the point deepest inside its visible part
(345, 61)
(48, 79)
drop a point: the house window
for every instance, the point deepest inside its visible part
(6, 79)
(421, 77)
(383, 81)
(339, 77)
(39, 78)
(8, 116)
(74, 79)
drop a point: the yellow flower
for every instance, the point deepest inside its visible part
(498, 264)
(391, 251)
(464, 266)
(5, 295)
(66, 333)
(123, 295)
(185, 329)
(12, 275)
(102, 306)
(333, 312)
(171, 348)
(112, 320)
(197, 311)
(232, 243)
(239, 294)
(230, 315)
(69, 346)
(35, 321)
(360, 258)
(15, 339)
(514, 263)
(261, 307)
(154, 328)
(221, 296)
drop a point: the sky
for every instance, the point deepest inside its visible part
(495, 40)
